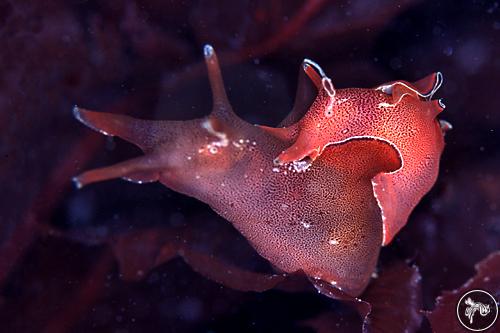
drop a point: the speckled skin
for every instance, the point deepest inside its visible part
(399, 116)
(322, 218)
(324, 221)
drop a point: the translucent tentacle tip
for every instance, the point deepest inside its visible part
(208, 50)
(76, 113)
(309, 63)
(441, 103)
(445, 126)
(77, 183)
(81, 117)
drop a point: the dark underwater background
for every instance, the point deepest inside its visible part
(69, 258)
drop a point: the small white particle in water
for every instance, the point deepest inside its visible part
(197, 177)
(333, 241)
(333, 283)
(448, 51)
(276, 170)
(189, 158)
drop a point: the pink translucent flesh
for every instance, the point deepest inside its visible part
(371, 157)
(323, 219)
(400, 113)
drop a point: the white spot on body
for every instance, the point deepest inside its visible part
(214, 146)
(341, 100)
(305, 224)
(384, 105)
(301, 166)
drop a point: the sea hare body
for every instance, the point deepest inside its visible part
(400, 113)
(318, 215)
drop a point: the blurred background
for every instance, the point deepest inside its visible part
(68, 257)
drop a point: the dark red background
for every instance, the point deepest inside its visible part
(144, 58)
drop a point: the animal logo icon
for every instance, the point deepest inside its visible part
(473, 307)
(477, 310)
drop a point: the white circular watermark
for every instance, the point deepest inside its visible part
(477, 310)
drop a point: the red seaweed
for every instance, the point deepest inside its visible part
(444, 316)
